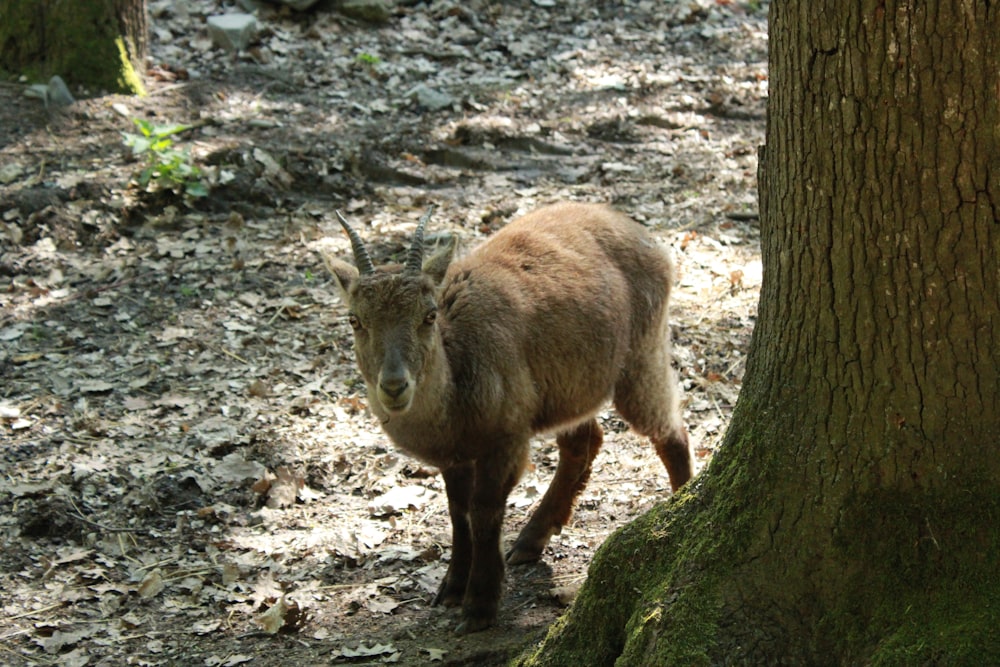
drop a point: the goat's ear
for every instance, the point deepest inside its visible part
(344, 275)
(436, 265)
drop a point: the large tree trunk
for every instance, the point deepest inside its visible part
(852, 515)
(99, 44)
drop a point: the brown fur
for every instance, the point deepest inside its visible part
(534, 331)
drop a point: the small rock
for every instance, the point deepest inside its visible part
(59, 95)
(573, 174)
(298, 5)
(252, 5)
(374, 11)
(15, 235)
(232, 32)
(430, 98)
(55, 94)
(39, 91)
(10, 172)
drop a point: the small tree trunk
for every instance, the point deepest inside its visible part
(852, 515)
(98, 44)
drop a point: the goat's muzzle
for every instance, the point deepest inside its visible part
(395, 393)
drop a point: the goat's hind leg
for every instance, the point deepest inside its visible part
(577, 449)
(675, 452)
(648, 397)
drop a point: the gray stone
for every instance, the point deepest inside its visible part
(374, 11)
(430, 98)
(252, 6)
(232, 32)
(58, 93)
(10, 172)
(299, 5)
(53, 95)
(257, 5)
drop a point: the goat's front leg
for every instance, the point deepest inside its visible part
(496, 475)
(458, 483)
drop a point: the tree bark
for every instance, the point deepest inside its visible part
(852, 515)
(98, 44)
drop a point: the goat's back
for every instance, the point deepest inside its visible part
(538, 321)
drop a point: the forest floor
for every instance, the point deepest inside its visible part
(189, 473)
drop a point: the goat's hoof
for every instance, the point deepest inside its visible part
(450, 592)
(446, 598)
(474, 624)
(520, 555)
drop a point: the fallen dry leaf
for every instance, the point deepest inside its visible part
(284, 488)
(399, 499)
(151, 585)
(381, 605)
(435, 654)
(363, 651)
(272, 619)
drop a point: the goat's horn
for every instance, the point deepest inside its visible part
(415, 258)
(361, 256)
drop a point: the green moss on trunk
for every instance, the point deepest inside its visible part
(92, 44)
(641, 598)
(726, 573)
(923, 576)
(910, 579)
(958, 629)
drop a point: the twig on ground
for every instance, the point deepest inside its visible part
(108, 529)
(33, 612)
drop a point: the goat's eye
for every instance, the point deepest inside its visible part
(354, 321)
(431, 316)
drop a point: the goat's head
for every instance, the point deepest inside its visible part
(393, 311)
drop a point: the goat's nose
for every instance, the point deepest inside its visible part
(393, 387)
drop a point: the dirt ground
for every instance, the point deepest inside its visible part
(190, 476)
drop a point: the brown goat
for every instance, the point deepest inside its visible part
(533, 331)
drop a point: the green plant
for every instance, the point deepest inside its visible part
(368, 62)
(367, 59)
(166, 165)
